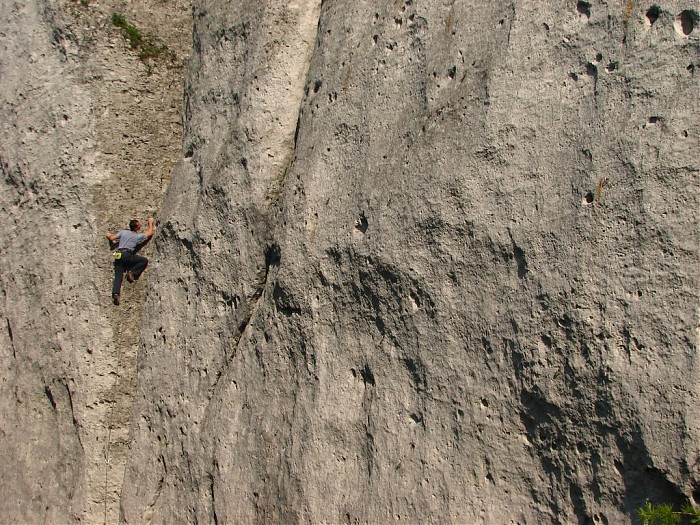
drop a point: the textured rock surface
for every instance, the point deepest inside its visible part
(82, 125)
(426, 262)
(419, 261)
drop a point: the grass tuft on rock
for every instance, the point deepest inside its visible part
(146, 49)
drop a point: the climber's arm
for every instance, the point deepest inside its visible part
(150, 230)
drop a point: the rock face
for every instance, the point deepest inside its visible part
(88, 135)
(418, 261)
(426, 262)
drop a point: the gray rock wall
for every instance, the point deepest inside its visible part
(419, 261)
(53, 326)
(426, 262)
(88, 132)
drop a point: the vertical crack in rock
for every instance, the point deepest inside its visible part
(309, 23)
(272, 258)
(210, 481)
(49, 396)
(151, 505)
(519, 256)
(306, 35)
(76, 425)
(271, 102)
(509, 21)
(368, 446)
(11, 338)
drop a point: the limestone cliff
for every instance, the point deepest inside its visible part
(88, 135)
(419, 261)
(426, 262)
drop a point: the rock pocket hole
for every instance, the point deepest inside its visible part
(584, 9)
(588, 198)
(653, 15)
(686, 22)
(591, 70)
(612, 66)
(361, 223)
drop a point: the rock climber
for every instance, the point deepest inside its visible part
(125, 258)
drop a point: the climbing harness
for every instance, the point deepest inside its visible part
(121, 251)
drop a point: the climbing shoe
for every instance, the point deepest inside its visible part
(115, 299)
(130, 276)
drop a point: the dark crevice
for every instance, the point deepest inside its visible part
(296, 131)
(370, 453)
(11, 336)
(49, 396)
(189, 246)
(510, 18)
(72, 413)
(213, 501)
(273, 256)
(592, 71)
(417, 374)
(367, 375)
(519, 256)
(159, 485)
(520, 260)
(381, 327)
(361, 223)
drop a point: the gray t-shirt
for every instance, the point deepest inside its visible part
(129, 240)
